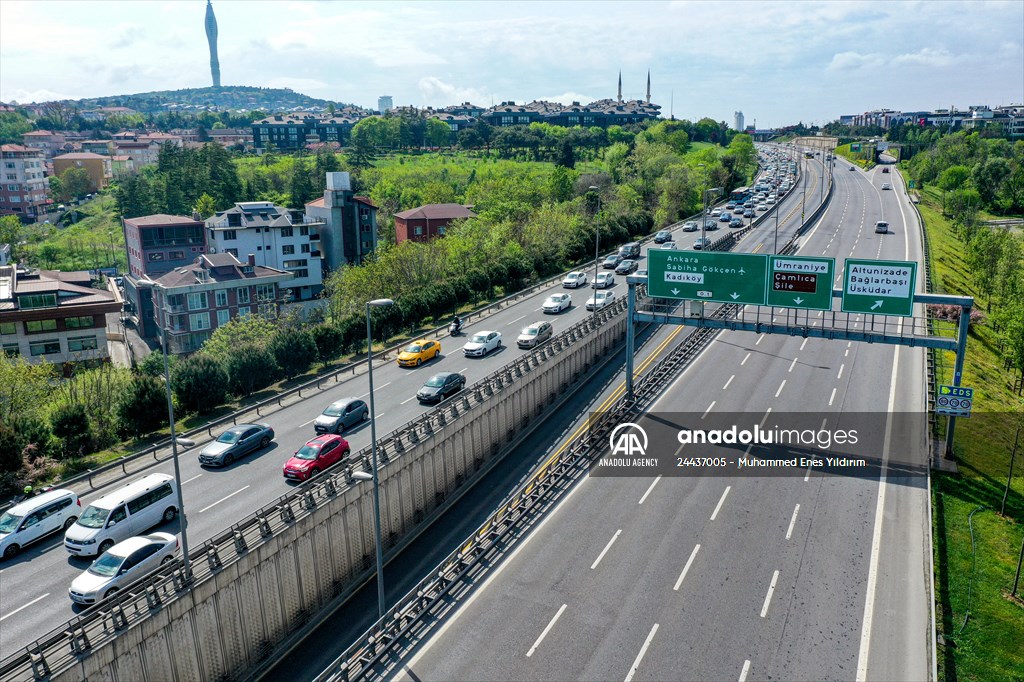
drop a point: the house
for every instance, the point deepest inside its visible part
(24, 188)
(426, 222)
(142, 153)
(50, 143)
(53, 316)
(349, 230)
(97, 166)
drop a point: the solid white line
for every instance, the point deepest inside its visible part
(191, 479)
(746, 669)
(841, 368)
(721, 501)
(709, 409)
(649, 489)
(407, 400)
(792, 522)
(804, 343)
(728, 382)
(768, 597)
(22, 608)
(686, 568)
(605, 550)
(222, 499)
(509, 324)
(745, 360)
(793, 364)
(640, 656)
(832, 397)
(544, 634)
(307, 423)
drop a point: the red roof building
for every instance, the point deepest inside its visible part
(426, 222)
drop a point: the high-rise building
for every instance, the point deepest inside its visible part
(385, 103)
(737, 122)
(211, 37)
(24, 189)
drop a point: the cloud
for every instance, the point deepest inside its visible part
(926, 56)
(569, 98)
(29, 96)
(436, 92)
(851, 61)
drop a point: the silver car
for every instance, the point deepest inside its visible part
(121, 565)
(534, 335)
(236, 442)
(340, 415)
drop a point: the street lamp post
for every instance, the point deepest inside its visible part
(377, 303)
(597, 241)
(110, 236)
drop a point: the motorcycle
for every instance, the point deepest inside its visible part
(454, 329)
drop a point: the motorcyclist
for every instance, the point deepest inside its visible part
(456, 325)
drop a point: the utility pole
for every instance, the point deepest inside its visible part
(1009, 479)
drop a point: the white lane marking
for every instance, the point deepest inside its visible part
(709, 409)
(841, 368)
(745, 360)
(721, 501)
(759, 340)
(605, 550)
(640, 656)
(509, 324)
(746, 669)
(832, 397)
(222, 499)
(22, 608)
(545, 632)
(686, 568)
(876, 538)
(191, 479)
(407, 400)
(804, 343)
(728, 382)
(464, 369)
(792, 521)
(846, 353)
(765, 417)
(377, 388)
(309, 422)
(792, 365)
(649, 489)
(807, 476)
(768, 597)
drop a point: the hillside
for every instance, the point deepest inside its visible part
(225, 98)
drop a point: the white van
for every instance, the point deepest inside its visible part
(35, 518)
(130, 510)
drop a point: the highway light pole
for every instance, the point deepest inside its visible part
(376, 303)
(597, 241)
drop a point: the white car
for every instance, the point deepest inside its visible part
(770, 200)
(669, 246)
(574, 280)
(556, 303)
(121, 565)
(762, 207)
(885, 185)
(482, 343)
(600, 299)
(716, 212)
(604, 280)
(690, 226)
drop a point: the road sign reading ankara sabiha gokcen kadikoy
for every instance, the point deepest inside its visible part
(880, 287)
(800, 282)
(708, 276)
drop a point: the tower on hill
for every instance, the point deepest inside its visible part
(211, 37)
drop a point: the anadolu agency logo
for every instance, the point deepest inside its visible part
(628, 440)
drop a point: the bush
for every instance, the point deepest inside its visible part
(153, 364)
(249, 368)
(200, 384)
(70, 422)
(293, 350)
(329, 342)
(10, 450)
(143, 406)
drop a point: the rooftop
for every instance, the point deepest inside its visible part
(437, 212)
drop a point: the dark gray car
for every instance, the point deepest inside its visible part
(440, 386)
(236, 442)
(340, 415)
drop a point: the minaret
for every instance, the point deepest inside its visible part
(648, 86)
(620, 87)
(211, 37)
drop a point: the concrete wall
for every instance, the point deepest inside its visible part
(233, 619)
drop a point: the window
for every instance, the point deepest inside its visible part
(242, 312)
(78, 322)
(176, 255)
(264, 292)
(222, 298)
(304, 231)
(229, 235)
(267, 310)
(44, 348)
(199, 321)
(80, 343)
(156, 256)
(33, 326)
(12, 350)
(223, 317)
(299, 263)
(367, 246)
(243, 295)
(37, 301)
(8, 328)
(418, 230)
(233, 252)
(440, 230)
(197, 301)
(286, 232)
(288, 249)
(305, 248)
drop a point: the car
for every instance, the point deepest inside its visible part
(121, 565)
(710, 224)
(689, 226)
(762, 207)
(736, 222)
(738, 210)
(626, 267)
(664, 235)
(418, 352)
(724, 218)
(770, 200)
(556, 303)
(600, 299)
(535, 334)
(315, 456)
(482, 343)
(604, 280)
(612, 261)
(441, 386)
(235, 442)
(851, 168)
(701, 243)
(731, 205)
(575, 279)
(669, 246)
(340, 415)
(885, 169)
(33, 519)
(630, 250)
(131, 508)
(749, 213)
(882, 227)
(885, 185)
(716, 211)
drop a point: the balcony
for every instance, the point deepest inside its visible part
(314, 236)
(175, 307)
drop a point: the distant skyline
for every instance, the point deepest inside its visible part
(777, 62)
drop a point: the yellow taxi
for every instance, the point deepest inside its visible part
(418, 352)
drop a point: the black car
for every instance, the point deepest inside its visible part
(626, 267)
(662, 237)
(736, 222)
(440, 386)
(611, 262)
(630, 250)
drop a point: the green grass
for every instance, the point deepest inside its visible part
(96, 240)
(990, 646)
(856, 158)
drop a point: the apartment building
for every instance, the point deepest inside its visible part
(49, 142)
(97, 166)
(25, 190)
(349, 230)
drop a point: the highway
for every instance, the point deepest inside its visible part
(801, 577)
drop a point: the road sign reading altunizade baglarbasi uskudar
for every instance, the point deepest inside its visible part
(879, 287)
(708, 276)
(803, 282)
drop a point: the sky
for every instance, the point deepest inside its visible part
(777, 62)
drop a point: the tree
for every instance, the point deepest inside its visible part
(11, 231)
(329, 342)
(70, 423)
(24, 387)
(293, 349)
(153, 364)
(199, 383)
(301, 186)
(438, 133)
(205, 206)
(566, 155)
(74, 182)
(239, 331)
(142, 407)
(12, 126)
(250, 367)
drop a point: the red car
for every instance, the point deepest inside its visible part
(315, 456)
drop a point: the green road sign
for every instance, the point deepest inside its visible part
(708, 276)
(800, 282)
(879, 287)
